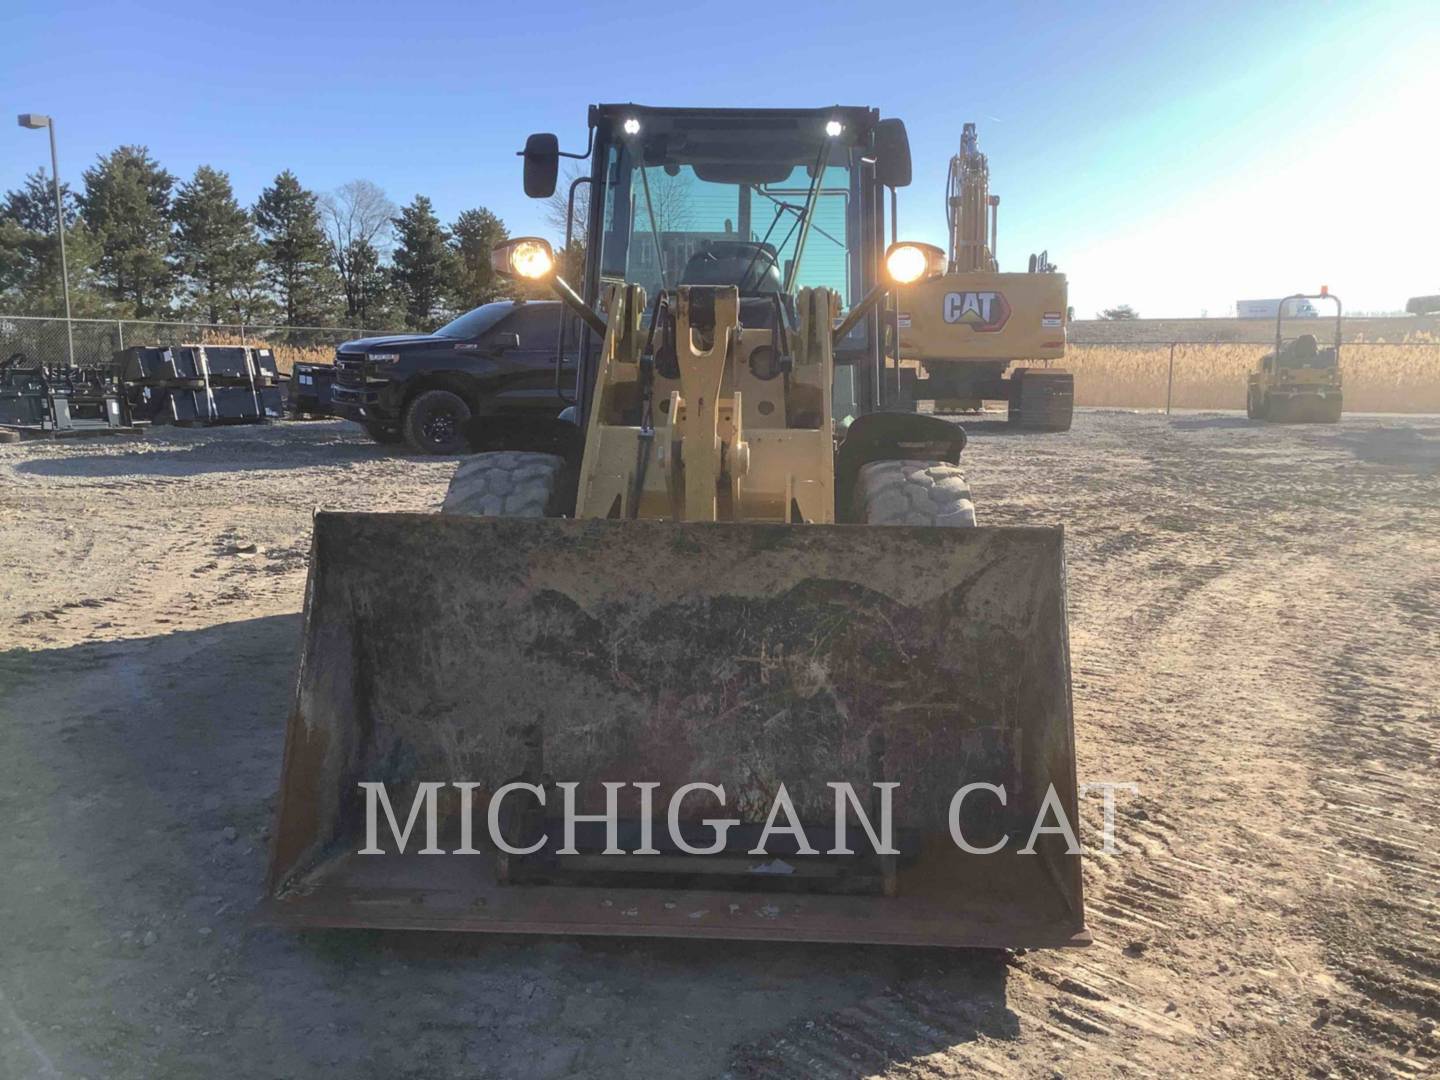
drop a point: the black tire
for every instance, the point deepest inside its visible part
(1334, 407)
(508, 483)
(1252, 411)
(7, 436)
(435, 423)
(384, 434)
(913, 493)
(1041, 400)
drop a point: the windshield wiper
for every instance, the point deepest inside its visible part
(774, 256)
(822, 161)
(794, 210)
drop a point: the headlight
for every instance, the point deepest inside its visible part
(383, 357)
(525, 256)
(907, 263)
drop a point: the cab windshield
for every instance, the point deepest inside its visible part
(768, 206)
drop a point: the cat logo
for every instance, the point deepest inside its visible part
(983, 312)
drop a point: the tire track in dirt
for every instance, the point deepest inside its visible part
(1197, 656)
(1253, 633)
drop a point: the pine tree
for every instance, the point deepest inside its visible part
(126, 205)
(216, 252)
(475, 282)
(368, 294)
(30, 252)
(294, 253)
(424, 264)
(32, 207)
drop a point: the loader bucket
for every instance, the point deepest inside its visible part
(487, 651)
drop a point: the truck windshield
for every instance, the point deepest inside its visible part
(769, 207)
(475, 321)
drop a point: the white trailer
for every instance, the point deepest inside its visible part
(1268, 309)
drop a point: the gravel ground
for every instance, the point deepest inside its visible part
(1254, 634)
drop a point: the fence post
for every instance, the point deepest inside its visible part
(120, 334)
(1170, 380)
(242, 334)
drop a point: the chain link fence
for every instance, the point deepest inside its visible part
(1380, 376)
(95, 341)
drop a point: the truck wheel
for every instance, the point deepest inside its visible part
(508, 483)
(1252, 411)
(1041, 399)
(913, 493)
(435, 423)
(385, 434)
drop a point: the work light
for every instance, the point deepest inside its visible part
(525, 256)
(907, 263)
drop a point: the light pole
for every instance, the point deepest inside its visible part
(34, 121)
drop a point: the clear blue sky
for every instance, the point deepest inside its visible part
(1176, 159)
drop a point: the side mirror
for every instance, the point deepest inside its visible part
(892, 153)
(502, 342)
(542, 164)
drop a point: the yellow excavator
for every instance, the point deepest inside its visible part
(1298, 382)
(959, 331)
(700, 660)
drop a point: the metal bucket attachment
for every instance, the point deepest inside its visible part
(651, 655)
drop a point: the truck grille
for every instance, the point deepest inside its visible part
(350, 370)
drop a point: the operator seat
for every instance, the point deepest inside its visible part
(725, 262)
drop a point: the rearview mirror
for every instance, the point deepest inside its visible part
(892, 153)
(542, 164)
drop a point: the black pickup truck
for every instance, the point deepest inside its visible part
(497, 360)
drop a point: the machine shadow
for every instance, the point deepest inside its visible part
(180, 736)
(1411, 447)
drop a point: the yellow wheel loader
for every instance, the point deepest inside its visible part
(1298, 382)
(699, 660)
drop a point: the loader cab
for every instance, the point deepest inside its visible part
(768, 200)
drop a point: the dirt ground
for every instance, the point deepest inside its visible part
(1255, 639)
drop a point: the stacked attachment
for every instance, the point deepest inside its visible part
(201, 384)
(310, 390)
(60, 402)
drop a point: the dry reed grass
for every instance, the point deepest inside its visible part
(1379, 376)
(286, 355)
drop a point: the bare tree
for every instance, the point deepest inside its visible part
(357, 219)
(558, 203)
(668, 194)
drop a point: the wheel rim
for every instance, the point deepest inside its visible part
(441, 427)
